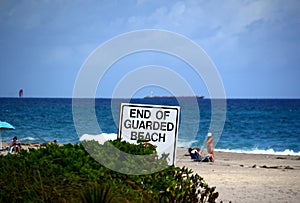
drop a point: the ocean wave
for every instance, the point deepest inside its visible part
(261, 151)
(28, 139)
(100, 138)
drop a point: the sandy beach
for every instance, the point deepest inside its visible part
(249, 177)
(245, 177)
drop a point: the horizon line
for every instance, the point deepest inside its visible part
(158, 97)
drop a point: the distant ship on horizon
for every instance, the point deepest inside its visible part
(156, 96)
(200, 97)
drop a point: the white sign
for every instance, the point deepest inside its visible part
(155, 123)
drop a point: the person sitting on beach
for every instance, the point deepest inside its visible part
(44, 144)
(194, 153)
(209, 158)
(210, 146)
(48, 143)
(15, 145)
(198, 155)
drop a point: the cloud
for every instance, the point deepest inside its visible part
(206, 18)
(239, 35)
(202, 18)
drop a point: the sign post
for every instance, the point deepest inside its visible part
(157, 124)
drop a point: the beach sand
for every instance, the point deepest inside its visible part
(245, 177)
(248, 177)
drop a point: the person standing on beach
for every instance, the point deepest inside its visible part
(210, 146)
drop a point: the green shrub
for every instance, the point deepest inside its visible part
(99, 193)
(126, 158)
(69, 174)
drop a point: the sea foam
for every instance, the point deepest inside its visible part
(28, 139)
(101, 138)
(261, 151)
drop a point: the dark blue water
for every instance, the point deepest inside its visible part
(251, 125)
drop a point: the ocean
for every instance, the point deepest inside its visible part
(262, 126)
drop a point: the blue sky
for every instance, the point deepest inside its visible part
(255, 45)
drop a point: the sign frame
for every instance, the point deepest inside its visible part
(145, 112)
